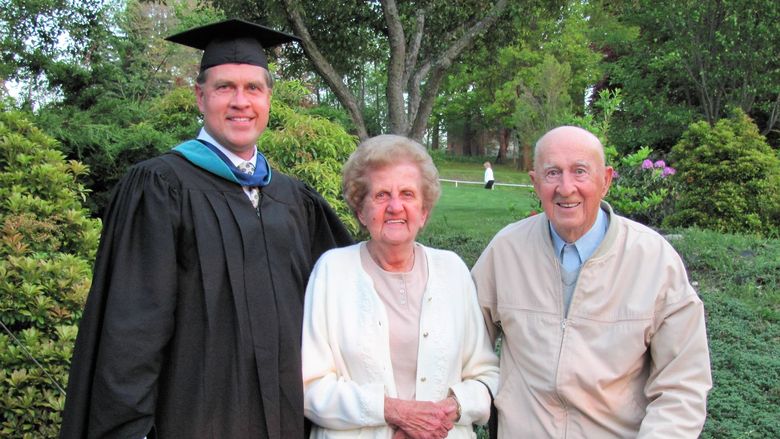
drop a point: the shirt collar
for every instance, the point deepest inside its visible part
(236, 160)
(589, 242)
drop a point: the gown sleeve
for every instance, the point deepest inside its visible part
(325, 227)
(129, 315)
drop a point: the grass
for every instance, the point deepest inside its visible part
(737, 277)
(468, 171)
(473, 215)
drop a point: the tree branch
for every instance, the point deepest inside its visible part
(773, 117)
(441, 65)
(325, 69)
(395, 68)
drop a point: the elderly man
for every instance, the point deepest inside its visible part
(603, 335)
(192, 328)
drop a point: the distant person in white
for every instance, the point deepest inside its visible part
(489, 180)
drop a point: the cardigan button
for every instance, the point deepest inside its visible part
(425, 334)
(423, 379)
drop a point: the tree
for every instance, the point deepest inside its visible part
(418, 41)
(729, 52)
(36, 35)
(534, 76)
(120, 106)
(694, 60)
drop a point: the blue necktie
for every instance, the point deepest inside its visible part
(570, 258)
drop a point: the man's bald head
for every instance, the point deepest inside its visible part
(568, 134)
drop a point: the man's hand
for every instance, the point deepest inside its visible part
(420, 419)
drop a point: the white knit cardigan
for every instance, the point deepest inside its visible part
(346, 355)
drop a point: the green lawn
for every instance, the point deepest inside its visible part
(469, 215)
(468, 171)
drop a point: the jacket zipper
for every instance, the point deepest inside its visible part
(564, 323)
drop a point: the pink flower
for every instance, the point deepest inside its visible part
(615, 175)
(659, 164)
(668, 170)
(647, 164)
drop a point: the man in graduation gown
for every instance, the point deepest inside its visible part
(192, 327)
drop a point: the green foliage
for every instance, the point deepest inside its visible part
(598, 121)
(642, 190)
(738, 278)
(730, 178)
(114, 133)
(311, 149)
(35, 34)
(176, 113)
(693, 60)
(47, 244)
(537, 78)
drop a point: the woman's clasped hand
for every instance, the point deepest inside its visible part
(421, 419)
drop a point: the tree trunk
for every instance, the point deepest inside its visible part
(325, 69)
(435, 139)
(503, 145)
(528, 153)
(413, 77)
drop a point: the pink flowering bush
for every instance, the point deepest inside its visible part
(642, 189)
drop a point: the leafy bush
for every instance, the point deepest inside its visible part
(642, 189)
(176, 113)
(730, 178)
(47, 244)
(114, 134)
(311, 149)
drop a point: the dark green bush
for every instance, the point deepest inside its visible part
(312, 149)
(729, 178)
(47, 244)
(116, 133)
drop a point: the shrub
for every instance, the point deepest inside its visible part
(47, 244)
(114, 134)
(642, 189)
(729, 178)
(738, 278)
(312, 149)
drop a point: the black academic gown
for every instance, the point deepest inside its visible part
(192, 327)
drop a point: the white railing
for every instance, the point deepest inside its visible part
(457, 182)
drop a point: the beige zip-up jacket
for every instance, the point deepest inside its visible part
(629, 361)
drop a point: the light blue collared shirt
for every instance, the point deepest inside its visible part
(584, 248)
(236, 160)
(588, 243)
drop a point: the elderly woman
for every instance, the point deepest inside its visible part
(394, 343)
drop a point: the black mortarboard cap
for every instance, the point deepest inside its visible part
(232, 41)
